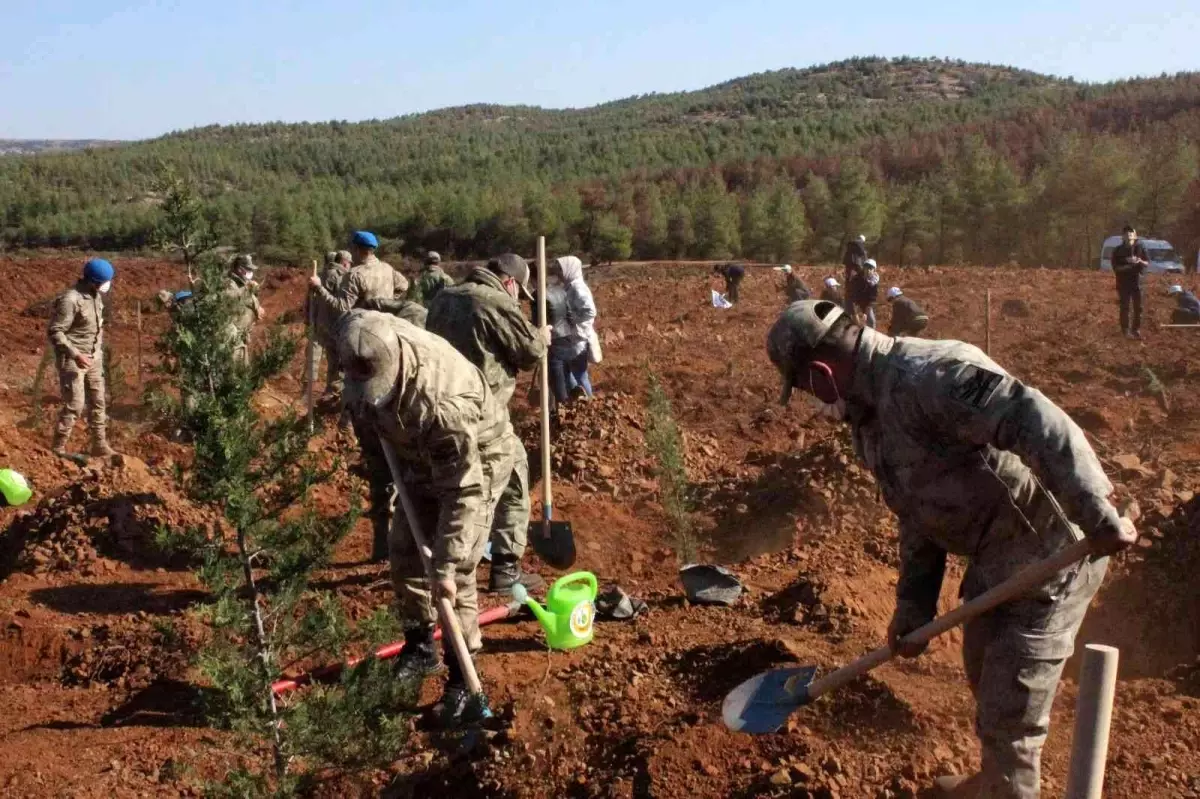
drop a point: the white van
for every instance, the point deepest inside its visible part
(1163, 258)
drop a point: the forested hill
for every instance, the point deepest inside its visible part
(934, 160)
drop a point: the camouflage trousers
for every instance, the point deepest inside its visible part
(333, 374)
(510, 527)
(413, 595)
(1014, 656)
(82, 388)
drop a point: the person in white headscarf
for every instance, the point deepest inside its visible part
(572, 315)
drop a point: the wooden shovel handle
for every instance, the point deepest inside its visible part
(547, 495)
(1020, 583)
(450, 625)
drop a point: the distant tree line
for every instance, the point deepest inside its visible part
(936, 162)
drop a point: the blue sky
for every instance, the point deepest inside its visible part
(140, 68)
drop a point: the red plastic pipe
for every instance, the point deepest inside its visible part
(332, 671)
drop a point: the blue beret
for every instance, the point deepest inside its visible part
(98, 271)
(365, 238)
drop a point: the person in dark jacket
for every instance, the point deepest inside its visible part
(1187, 309)
(733, 274)
(908, 319)
(1129, 262)
(854, 259)
(794, 289)
(862, 292)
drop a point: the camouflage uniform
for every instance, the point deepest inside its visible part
(487, 326)
(431, 280)
(448, 432)
(77, 328)
(369, 280)
(246, 312)
(951, 439)
(324, 320)
(409, 311)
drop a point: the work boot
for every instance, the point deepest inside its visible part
(458, 706)
(507, 572)
(59, 447)
(101, 448)
(419, 658)
(959, 786)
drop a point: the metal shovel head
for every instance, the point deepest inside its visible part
(706, 584)
(557, 549)
(763, 703)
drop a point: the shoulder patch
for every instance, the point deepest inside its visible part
(975, 386)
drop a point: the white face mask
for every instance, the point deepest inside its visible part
(830, 410)
(105, 286)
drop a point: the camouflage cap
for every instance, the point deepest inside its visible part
(370, 352)
(344, 257)
(799, 329)
(433, 257)
(515, 267)
(243, 261)
(331, 257)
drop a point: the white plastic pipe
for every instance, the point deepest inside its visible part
(1093, 718)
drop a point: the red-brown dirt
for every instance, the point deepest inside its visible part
(97, 703)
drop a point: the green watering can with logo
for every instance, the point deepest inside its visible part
(569, 612)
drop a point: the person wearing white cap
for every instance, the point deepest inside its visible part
(794, 289)
(863, 291)
(832, 292)
(1187, 308)
(908, 319)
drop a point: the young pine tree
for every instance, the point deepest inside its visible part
(266, 618)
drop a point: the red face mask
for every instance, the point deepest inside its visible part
(822, 383)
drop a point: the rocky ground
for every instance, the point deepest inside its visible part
(94, 671)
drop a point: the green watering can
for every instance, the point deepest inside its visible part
(15, 490)
(570, 609)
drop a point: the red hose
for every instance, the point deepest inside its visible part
(332, 671)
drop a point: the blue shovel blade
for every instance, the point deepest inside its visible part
(763, 703)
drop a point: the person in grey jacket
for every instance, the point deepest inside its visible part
(974, 463)
(572, 314)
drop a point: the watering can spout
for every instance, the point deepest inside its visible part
(547, 619)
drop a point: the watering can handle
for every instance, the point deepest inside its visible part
(580, 577)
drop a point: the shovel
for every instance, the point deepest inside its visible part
(554, 542)
(445, 608)
(763, 703)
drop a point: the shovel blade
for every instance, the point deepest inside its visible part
(558, 548)
(763, 703)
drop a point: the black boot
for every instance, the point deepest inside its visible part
(419, 658)
(507, 572)
(458, 706)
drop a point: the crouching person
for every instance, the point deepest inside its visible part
(415, 393)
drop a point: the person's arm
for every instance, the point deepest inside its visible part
(982, 405)
(350, 292)
(61, 320)
(582, 310)
(518, 342)
(450, 444)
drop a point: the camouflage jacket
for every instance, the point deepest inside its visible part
(409, 311)
(486, 325)
(246, 305)
(77, 323)
(972, 462)
(325, 317)
(439, 420)
(431, 280)
(372, 279)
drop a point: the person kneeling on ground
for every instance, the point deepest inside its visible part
(794, 289)
(907, 317)
(966, 456)
(413, 391)
(1187, 309)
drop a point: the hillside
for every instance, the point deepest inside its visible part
(34, 146)
(662, 174)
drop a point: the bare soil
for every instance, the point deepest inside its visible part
(101, 700)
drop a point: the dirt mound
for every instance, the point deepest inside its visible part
(106, 515)
(131, 657)
(805, 604)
